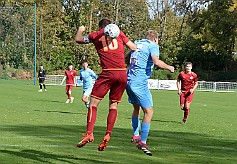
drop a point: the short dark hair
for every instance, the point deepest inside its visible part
(188, 63)
(104, 22)
(69, 64)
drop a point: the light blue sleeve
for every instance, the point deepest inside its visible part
(154, 49)
(93, 74)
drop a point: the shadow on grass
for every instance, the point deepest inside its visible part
(43, 157)
(166, 146)
(166, 121)
(63, 112)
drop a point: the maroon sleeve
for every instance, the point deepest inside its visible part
(196, 78)
(179, 77)
(124, 37)
(92, 36)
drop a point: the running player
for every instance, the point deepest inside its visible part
(187, 82)
(86, 75)
(140, 69)
(69, 76)
(113, 77)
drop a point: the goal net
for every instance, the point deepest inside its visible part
(160, 84)
(217, 86)
(57, 79)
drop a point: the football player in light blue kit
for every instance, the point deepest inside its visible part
(140, 69)
(86, 75)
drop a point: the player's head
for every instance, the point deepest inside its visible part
(41, 67)
(70, 66)
(188, 66)
(85, 64)
(152, 35)
(104, 22)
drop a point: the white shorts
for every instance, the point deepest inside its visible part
(87, 92)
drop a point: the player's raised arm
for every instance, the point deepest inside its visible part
(162, 64)
(131, 45)
(79, 37)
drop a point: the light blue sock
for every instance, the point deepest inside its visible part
(145, 128)
(135, 125)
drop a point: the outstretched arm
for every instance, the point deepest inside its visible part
(162, 64)
(131, 45)
(80, 39)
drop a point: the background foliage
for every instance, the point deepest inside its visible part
(203, 32)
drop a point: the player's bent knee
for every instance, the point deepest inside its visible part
(84, 99)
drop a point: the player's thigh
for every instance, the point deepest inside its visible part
(87, 92)
(140, 94)
(189, 98)
(182, 99)
(131, 95)
(118, 86)
(101, 86)
(41, 80)
(69, 88)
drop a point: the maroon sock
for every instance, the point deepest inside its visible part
(91, 119)
(111, 119)
(186, 112)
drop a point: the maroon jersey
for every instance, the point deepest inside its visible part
(110, 51)
(70, 76)
(187, 80)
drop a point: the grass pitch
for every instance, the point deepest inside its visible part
(41, 128)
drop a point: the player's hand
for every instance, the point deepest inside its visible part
(81, 28)
(171, 69)
(191, 91)
(179, 92)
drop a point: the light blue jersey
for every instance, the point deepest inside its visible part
(86, 76)
(141, 63)
(139, 71)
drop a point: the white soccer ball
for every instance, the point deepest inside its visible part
(111, 31)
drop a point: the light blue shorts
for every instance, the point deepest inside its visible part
(87, 92)
(139, 94)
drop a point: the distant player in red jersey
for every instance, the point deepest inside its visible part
(69, 76)
(187, 82)
(113, 77)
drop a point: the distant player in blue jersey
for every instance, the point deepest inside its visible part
(86, 75)
(140, 69)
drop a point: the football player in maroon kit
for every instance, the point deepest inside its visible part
(187, 82)
(113, 77)
(69, 76)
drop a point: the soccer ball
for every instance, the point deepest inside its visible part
(111, 31)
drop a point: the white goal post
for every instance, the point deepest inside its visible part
(217, 86)
(161, 84)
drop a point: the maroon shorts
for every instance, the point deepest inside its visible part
(186, 97)
(69, 87)
(113, 80)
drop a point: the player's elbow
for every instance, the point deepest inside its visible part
(79, 40)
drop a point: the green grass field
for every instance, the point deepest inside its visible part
(41, 128)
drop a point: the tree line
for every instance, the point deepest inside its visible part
(201, 31)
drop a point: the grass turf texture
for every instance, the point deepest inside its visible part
(41, 128)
